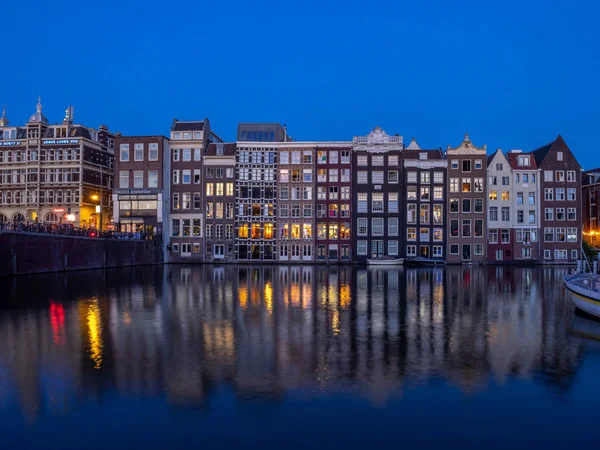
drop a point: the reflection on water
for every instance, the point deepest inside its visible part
(183, 332)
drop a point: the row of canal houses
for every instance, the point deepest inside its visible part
(267, 197)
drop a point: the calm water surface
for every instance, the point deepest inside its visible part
(296, 357)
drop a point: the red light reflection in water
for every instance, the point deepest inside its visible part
(57, 320)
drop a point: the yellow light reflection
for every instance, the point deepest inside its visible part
(126, 318)
(94, 332)
(345, 298)
(269, 297)
(335, 322)
(243, 296)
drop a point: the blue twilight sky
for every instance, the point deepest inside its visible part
(513, 74)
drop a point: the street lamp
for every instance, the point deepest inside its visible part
(95, 197)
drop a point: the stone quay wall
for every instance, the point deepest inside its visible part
(27, 253)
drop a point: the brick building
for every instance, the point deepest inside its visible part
(375, 195)
(467, 170)
(333, 202)
(424, 227)
(560, 206)
(590, 195)
(141, 192)
(500, 209)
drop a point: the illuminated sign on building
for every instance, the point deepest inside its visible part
(135, 191)
(61, 141)
(8, 143)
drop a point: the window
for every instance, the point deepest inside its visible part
(549, 213)
(284, 157)
(561, 234)
(531, 198)
(424, 234)
(196, 176)
(437, 251)
(520, 216)
(559, 175)
(392, 226)
(454, 227)
(377, 160)
(425, 178)
(377, 202)
(321, 230)
(454, 205)
(322, 157)
(411, 234)
(438, 216)
(209, 189)
(377, 224)
(438, 192)
(229, 189)
(295, 157)
(519, 198)
(186, 176)
(493, 181)
(560, 213)
(547, 254)
(559, 156)
(425, 193)
(478, 205)
(138, 178)
(571, 194)
(560, 254)
(571, 214)
(531, 216)
(466, 228)
(438, 177)
(506, 214)
(454, 164)
(493, 236)
(175, 154)
(361, 177)
(361, 160)
(424, 214)
(411, 177)
(411, 213)
(333, 157)
(560, 194)
(523, 160)
(377, 177)
(176, 177)
(153, 178)
(548, 234)
(478, 250)
(478, 184)
(152, 152)
(493, 195)
(284, 175)
(124, 152)
(548, 176)
(549, 194)
(571, 176)
(478, 164)
(506, 196)
(411, 192)
(124, 179)
(505, 181)
(393, 202)
(466, 165)
(505, 236)
(493, 213)
(362, 202)
(138, 152)
(466, 185)
(362, 226)
(196, 200)
(478, 232)
(466, 205)
(454, 185)
(196, 154)
(334, 192)
(454, 249)
(393, 176)
(525, 178)
(572, 234)
(411, 250)
(176, 204)
(393, 160)
(574, 254)
(361, 247)
(438, 234)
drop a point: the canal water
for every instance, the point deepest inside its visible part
(296, 357)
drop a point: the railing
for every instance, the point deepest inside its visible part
(69, 230)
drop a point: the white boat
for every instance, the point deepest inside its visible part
(385, 261)
(584, 289)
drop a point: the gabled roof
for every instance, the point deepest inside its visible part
(81, 132)
(228, 149)
(431, 154)
(513, 159)
(194, 125)
(494, 156)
